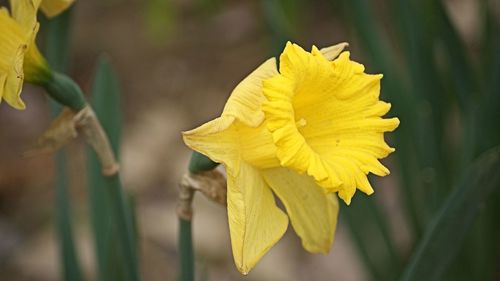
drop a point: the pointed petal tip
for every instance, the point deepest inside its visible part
(345, 198)
(396, 123)
(243, 269)
(19, 106)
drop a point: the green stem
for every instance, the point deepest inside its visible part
(200, 163)
(186, 252)
(57, 38)
(100, 217)
(123, 223)
(70, 269)
(197, 164)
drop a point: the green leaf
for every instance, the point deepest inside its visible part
(106, 101)
(70, 268)
(57, 33)
(463, 75)
(111, 218)
(445, 234)
(418, 35)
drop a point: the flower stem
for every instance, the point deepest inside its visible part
(67, 252)
(199, 163)
(186, 252)
(57, 38)
(123, 224)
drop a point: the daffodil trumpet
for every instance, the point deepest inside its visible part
(306, 133)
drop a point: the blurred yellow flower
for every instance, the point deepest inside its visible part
(19, 56)
(17, 34)
(304, 133)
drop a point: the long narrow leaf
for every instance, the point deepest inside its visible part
(57, 46)
(448, 229)
(417, 33)
(110, 213)
(462, 71)
(100, 215)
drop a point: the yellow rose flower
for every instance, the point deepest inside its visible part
(20, 58)
(305, 133)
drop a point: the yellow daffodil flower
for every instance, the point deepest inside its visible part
(20, 58)
(306, 133)
(13, 45)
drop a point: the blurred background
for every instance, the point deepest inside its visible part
(177, 62)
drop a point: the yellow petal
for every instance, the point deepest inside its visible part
(239, 132)
(313, 213)
(12, 49)
(332, 52)
(52, 8)
(325, 118)
(255, 222)
(215, 140)
(24, 12)
(36, 68)
(246, 99)
(227, 140)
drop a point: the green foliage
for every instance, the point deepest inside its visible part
(56, 48)
(111, 217)
(455, 218)
(431, 79)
